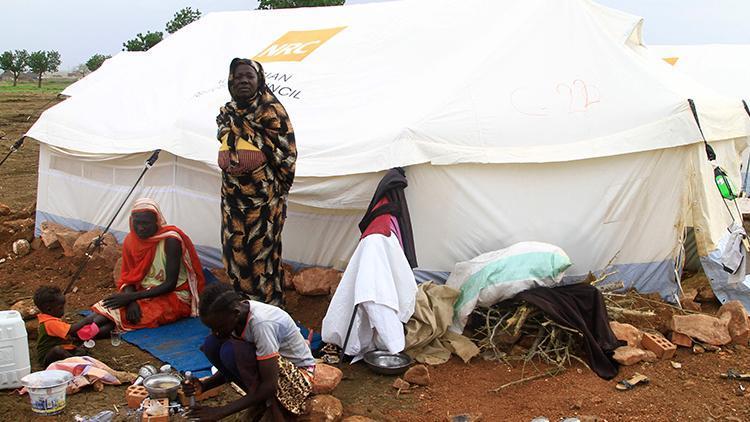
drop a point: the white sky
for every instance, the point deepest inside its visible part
(80, 28)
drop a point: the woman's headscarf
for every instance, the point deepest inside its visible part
(263, 122)
(148, 204)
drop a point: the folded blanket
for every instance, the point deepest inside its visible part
(428, 339)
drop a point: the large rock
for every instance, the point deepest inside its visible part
(316, 281)
(418, 374)
(627, 332)
(4, 210)
(56, 235)
(108, 250)
(326, 379)
(704, 328)
(26, 308)
(739, 327)
(627, 355)
(323, 408)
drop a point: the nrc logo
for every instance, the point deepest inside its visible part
(296, 45)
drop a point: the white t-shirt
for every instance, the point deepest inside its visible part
(274, 333)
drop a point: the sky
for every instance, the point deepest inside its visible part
(80, 28)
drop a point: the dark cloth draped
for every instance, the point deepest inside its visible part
(581, 307)
(392, 187)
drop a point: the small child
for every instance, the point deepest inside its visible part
(55, 339)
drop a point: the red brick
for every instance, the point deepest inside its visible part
(134, 395)
(662, 347)
(681, 340)
(162, 417)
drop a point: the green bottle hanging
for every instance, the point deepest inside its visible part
(726, 188)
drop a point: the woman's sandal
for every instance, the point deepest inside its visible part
(629, 384)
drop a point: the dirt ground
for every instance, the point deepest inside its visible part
(693, 393)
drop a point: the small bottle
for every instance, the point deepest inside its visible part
(188, 380)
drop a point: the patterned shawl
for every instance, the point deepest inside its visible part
(264, 123)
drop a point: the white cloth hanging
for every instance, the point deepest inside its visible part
(380, 280)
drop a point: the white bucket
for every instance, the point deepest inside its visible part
(47, 390)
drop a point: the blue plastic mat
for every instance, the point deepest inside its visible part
(176, 344)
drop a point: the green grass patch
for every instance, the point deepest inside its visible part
(53, 86)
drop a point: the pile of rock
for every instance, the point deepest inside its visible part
(75, 243)
(416, 376)
(730, 325)
(322, 405)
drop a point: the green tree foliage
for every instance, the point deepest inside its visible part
(41, 62)
(286, 4)
(15, 62)
(96, 61)
(182, 18)
(143, 42)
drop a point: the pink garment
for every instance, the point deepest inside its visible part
(86, 370)
(396, 230)
(87, 332)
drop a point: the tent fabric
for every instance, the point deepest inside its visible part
(722, 67)
(167, 99)
(510, 115)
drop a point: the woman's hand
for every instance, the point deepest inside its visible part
(118, 300)
(133, 314)
(192, 387)
(206, 414)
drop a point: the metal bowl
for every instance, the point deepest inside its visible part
(162, 386)
(387, 363)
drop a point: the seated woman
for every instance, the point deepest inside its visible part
(258, 347)
(161, 275)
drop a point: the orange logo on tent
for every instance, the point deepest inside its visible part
(296, 45)
(671, 60)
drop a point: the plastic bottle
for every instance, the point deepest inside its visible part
(103, 416)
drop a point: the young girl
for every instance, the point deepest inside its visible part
(260, 348)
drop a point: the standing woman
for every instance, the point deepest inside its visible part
(257, 158)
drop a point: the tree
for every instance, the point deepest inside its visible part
(143, 42)
(15, 62)
(81, 70)
(96, 61)
(41, 62)
(182, 18)
(286, 4)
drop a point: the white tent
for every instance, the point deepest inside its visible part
(517, 120)
(723, 67)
